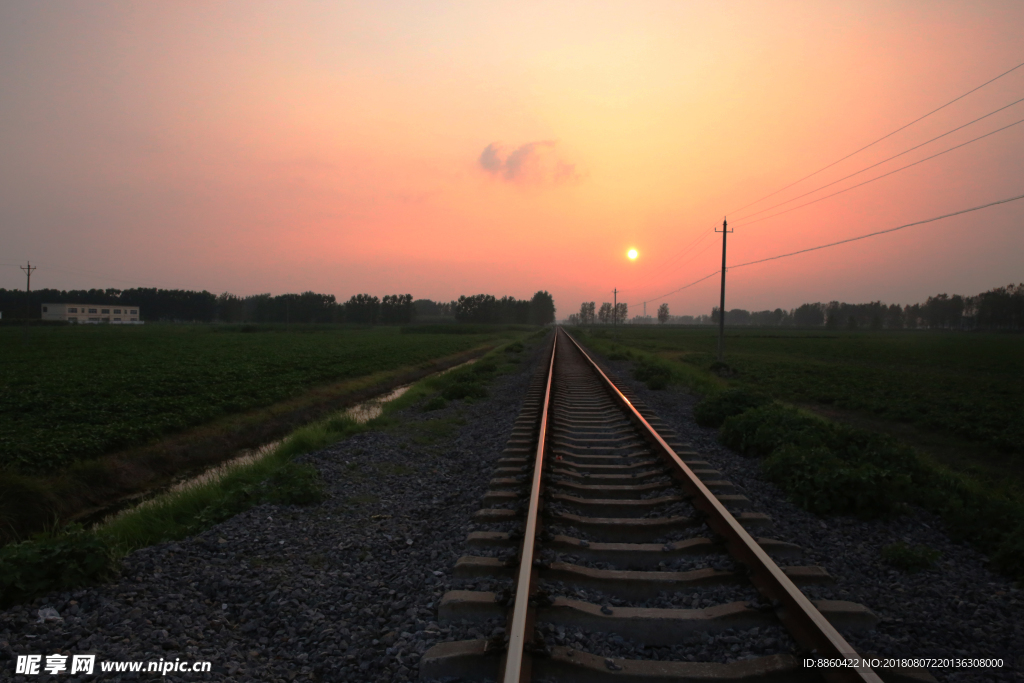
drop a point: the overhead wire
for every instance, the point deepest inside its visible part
(846, 241)
(884, 175)
(710, 244)
(880, 232)
(868, 168)
(884, 137)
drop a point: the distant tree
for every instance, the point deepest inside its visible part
(542, 309)
(573, 319)
(663, 313)
(944, 311)
(604, 315)
(230, 308)
(396, 309)
(894, 317)
(478, 308)
(737, 316)
(362, 308)
(1000, 308)
(769, 318)
(621, 313)
(912, 316)
(587, 315)
(809, 315)
(832, 315)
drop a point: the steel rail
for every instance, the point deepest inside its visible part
(805, 623)
(517, 664)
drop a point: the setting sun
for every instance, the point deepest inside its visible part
(631, 253)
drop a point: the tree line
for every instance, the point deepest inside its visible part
(1001, 308)
(178, 305)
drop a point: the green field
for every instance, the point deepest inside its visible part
(965, 385)
(77, 392)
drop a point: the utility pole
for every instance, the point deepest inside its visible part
(721, 306)
(28, 289)
(645, 309)
(615, 309)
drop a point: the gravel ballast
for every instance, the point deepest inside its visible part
(346, 590)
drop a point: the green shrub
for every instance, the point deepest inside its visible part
(290, 484)
(714, 409)
(436, 403)
(760, 431)
(619, 354)
(909, 558)
(817, 480)
(484, 368)
(834, 469)
(655, 372)
(514, 347)
(46, 563)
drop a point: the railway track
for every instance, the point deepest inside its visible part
(599, 522)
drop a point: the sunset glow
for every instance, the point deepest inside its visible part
(345, 147)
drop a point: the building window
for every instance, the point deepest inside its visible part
(135, 319)
(117, 311)
(92, 310)
(134, 312)
(44, 309)
(72, 310)
(117, 319)
(105, 310)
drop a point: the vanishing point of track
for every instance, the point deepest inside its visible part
(590, 473)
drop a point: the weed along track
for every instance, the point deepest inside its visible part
(609, 551)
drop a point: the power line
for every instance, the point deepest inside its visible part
(868, 168)
(712, 274)
(823, 168)
(881, 232)
(902, 168)
(709, 245)
(852, 239)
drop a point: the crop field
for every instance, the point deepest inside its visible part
(967, 385)
(73, 393)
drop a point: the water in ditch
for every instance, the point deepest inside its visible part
(361, 412)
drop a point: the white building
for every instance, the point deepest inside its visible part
(92, 313)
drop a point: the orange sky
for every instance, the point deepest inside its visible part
(456, 148)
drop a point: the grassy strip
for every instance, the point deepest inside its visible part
(829, 468)
(650, 368)
(73, 556)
